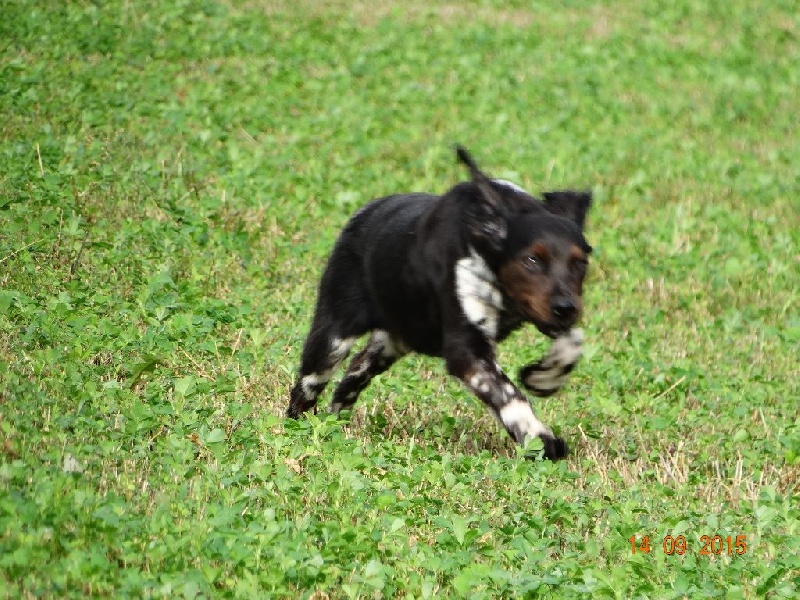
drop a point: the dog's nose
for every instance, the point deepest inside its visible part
(563, 308)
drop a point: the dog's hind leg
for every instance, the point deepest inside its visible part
(547, 376)
(343, 314)
(381, 351)
(322, 355)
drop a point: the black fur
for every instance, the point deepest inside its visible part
(450, 276)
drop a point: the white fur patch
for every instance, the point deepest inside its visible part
(568, 349)
(338, 352)
(336, 407)
(518, 414)
(480, 383)
(309, 382)
(564, 352)
(477, 293)
(382, 344)
(388, 345)
(340, 348)
(511, 185)
(545, 383)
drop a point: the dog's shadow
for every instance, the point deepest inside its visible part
(467, 430)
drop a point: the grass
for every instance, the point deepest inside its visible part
(172, 176)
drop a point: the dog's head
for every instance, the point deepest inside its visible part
(536, 249)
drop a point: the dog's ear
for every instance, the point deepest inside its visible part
(569, 204)
(486, 218)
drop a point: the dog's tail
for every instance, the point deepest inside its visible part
(486, 220)
(465, 157)
(468, 161)
(478, 176)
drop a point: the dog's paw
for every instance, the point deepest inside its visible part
(547, 376)
(554, 448)
(299, 402)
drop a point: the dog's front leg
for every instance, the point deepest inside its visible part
(548, 375)
(486, 380)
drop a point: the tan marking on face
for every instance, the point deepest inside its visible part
(576, 253)
(539, 250)
(578, 304)
(530, 291)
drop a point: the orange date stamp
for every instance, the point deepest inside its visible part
(709, 545)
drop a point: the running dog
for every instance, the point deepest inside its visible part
(451, 276)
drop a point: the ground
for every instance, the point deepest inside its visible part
(172, 177)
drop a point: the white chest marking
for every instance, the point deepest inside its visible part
(477, 293)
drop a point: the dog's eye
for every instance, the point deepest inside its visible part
(579, 266)
(532, 263)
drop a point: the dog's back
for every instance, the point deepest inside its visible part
(380, 276)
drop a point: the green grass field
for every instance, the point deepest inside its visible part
(172, 177)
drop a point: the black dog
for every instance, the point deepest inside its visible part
(450, 276)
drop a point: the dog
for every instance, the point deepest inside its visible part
(450, 276)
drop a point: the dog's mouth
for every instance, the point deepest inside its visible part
(552, 328)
